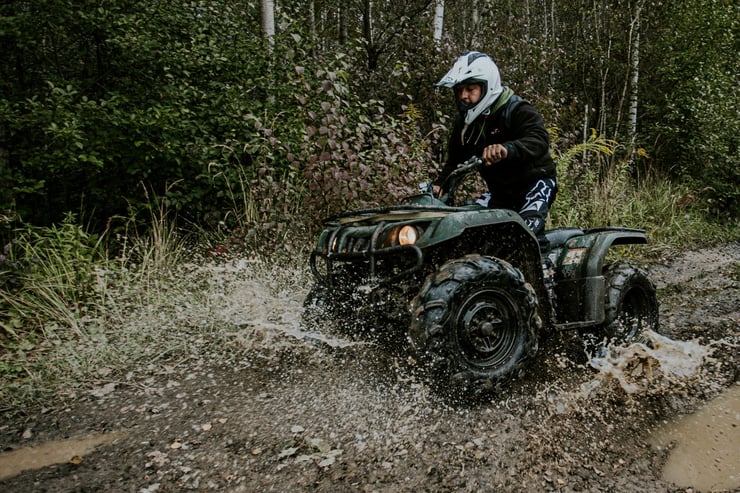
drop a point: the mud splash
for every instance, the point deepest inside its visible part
(706, 453)
(653, 365)
(72, 451)
(262, 306)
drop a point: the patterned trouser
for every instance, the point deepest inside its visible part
(535, 206)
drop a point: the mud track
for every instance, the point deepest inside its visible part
(296, 416)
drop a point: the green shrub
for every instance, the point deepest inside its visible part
(52, 276)
(330, 152)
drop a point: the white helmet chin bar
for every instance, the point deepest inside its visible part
(472, 67)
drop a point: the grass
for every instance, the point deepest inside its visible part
(156, 305)
(670, 213)
(596, 190)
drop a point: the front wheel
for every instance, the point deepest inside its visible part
(317, 308)
(474, 324)
(631, 305)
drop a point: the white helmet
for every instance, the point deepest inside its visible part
(474, 67)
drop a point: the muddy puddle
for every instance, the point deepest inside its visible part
(706, 450)
(703, 450)
(71, 451)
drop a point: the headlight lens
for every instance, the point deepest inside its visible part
(407, 235)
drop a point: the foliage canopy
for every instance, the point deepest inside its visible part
(103, 101)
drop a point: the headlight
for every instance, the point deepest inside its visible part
(407, 235)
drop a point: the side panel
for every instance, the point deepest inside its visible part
(580, 285)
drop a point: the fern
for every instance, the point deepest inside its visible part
(583, 171)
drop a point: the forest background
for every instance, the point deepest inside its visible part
(138, 130)
(107, 103)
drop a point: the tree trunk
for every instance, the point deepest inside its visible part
(268, 20)
(343, 24)
(634, 79)
(367, 29)
(439, 15)
(312, 24)
(367, 22)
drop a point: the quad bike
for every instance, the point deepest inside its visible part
(472, 288)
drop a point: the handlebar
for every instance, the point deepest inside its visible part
(453, 179)
(426, 189)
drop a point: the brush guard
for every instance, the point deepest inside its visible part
(356, 245)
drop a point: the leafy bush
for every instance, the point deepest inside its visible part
(328, 153)
(692, 98)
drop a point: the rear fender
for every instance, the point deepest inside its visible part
(580, 283)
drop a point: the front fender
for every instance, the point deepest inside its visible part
(454, 225)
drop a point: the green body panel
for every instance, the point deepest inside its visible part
(454, 225)
(583, 256)
(580, 284)
(439, 225)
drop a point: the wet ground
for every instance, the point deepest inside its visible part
(286, 414)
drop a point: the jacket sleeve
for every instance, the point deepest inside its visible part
(531, 140)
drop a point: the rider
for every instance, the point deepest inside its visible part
(507, 133)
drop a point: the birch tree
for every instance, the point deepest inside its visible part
(439, 15)
(268, 20)
(634, 78)
(367, 31)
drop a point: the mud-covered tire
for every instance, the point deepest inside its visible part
(630, 305)
(331, 310)
(474, 325)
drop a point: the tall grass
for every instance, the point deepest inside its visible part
(153, 305)
(54, 276)
(266, 208)
(596, 189)
(161, 246)
(68, 294)
(671, 214)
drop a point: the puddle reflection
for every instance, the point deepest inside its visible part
(706, 455)
(55, 452)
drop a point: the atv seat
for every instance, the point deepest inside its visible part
(556, 237)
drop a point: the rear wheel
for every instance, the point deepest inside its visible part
(474, 324)
(631, 305)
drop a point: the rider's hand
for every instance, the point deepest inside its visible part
(437, 190)
(494, 153)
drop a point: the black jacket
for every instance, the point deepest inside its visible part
(523, 134)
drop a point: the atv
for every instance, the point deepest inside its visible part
(471, 288)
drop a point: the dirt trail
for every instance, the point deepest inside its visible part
(292, 415)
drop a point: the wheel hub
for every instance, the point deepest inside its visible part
(482, 329)
(487, 329)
